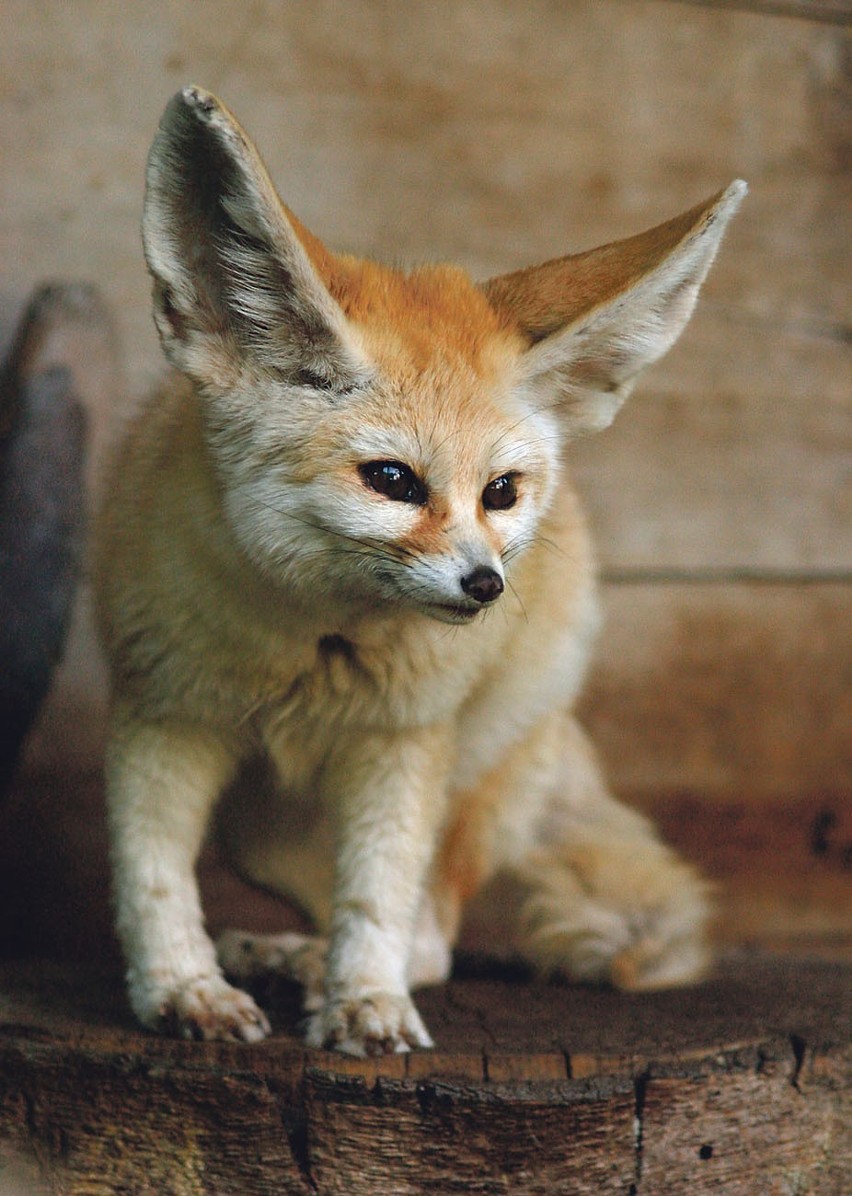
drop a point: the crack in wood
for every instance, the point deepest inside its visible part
(295, 1126)
(799, 1048)
(640, 1087)
(829, 12)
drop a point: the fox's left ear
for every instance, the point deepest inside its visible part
(594, 320)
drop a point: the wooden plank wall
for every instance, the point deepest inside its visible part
(497, 134)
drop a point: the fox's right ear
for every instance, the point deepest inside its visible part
(234, 284)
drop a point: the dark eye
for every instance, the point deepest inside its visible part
(394, 480)
(500, 494)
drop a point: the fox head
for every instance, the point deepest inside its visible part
(382, 436)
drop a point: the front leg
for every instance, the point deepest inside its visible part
(162, 781)
(389, 793)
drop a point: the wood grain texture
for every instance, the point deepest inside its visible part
(721, 1133)
(747, 464)
(727, 690)
(743, 1081)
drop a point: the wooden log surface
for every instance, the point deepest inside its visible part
(741, 1085)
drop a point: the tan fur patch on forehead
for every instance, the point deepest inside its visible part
(432, 312)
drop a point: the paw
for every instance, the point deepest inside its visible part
(377, 1023)
(299, 957)
(653, 962)
(206, 1008)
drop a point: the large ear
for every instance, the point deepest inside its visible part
(593, 321)
(233, 279)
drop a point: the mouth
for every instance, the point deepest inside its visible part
(448, 612)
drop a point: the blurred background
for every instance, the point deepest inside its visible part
(497, 134)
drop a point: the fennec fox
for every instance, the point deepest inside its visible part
(343, 535)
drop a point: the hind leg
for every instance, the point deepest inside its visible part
(596, 895)
(605, 899)
(284, 846)
(299, 957)
(244, 956)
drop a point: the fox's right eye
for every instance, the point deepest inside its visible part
(393, 480)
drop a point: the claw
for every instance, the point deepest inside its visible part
(372, 1025)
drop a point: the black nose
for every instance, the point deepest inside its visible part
(484, 584)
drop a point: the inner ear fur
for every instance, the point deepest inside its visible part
(231, 267)
(592, 321)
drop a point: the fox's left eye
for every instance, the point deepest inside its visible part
(500, 494)
(394, 480)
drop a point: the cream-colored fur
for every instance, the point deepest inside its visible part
(343, 534)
